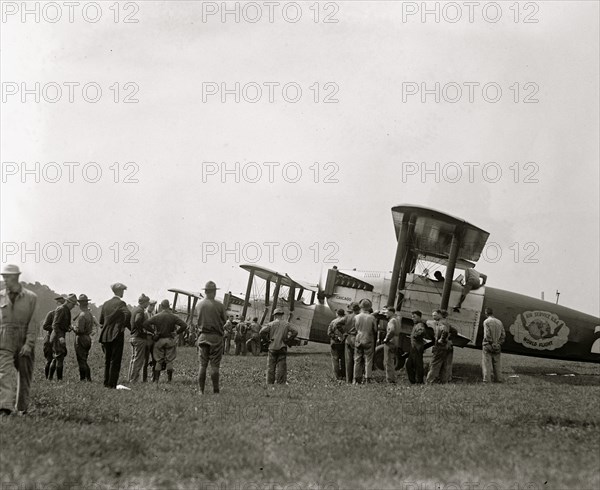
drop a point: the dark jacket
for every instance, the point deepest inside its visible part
(114, 318)
(164, 325)
(47, 325)
(61, 323)
(138, 316)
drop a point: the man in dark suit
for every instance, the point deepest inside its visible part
(47, 327)
(114, 318)
(61, 324)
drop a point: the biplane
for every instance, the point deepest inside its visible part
(280, 290)
(533, 327)
(187, 314)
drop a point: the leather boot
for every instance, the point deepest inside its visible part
(215, 381)
(169, 375)
(201, 380)
(59, 373)
(156, 376)
(52, 369)
(47, 370)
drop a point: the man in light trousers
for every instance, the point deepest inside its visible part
(493, 338)
(17, 342)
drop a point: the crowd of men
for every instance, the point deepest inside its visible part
(355, 334)
(153, 335)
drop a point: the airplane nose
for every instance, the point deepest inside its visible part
(321, 286)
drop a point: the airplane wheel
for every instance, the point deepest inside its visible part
(400, 360)
(379, 357)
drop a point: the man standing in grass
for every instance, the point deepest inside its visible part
(391, 342)
(241, 330)
(366, 335)
(60, 326)
(164, 325)
(350, 337)
(441, 332)
(211, 319)
(83, 329)
(47, 327)
(138, 339)
(17, 341)
(227, 334)
(335, 331)
(493, 338)
(446, 373)
(279, 333)
(254, 340)
(114, 318)
(414, 364)
(148, 353)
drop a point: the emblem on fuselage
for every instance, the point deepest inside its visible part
(540, 330)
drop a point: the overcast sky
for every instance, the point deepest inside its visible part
(546, 225)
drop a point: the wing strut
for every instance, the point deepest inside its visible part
(401, 250)
(275, 297)
(248, 291)
(454, 247)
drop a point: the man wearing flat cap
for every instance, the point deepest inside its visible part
(47, 327)
(60, 326)
(279, 333)
(164, 325)
(84, 325)
(138, 338)
(17, 341)
(211, 320)
(114, 318)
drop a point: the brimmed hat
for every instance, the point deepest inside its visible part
(117, 286)
(365, 303)
(278, 311)
(143, 299)
(72, 298)
(9, 269)
(210, 285)
(353, 306)
(60, 299)
(152, 301)
(83, 299)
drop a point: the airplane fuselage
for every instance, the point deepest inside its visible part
(533, 327)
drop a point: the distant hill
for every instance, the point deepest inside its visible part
(46, 302)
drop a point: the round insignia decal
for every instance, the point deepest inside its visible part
(540, 330)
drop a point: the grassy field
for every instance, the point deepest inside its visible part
(534, 432)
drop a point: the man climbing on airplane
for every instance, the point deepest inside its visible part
(473, 280)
